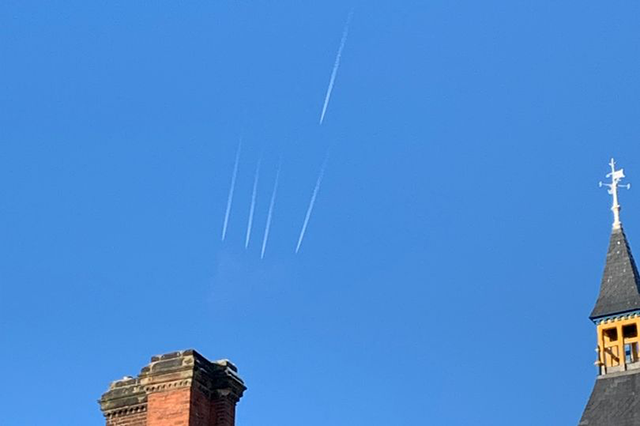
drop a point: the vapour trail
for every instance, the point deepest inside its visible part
(270, 214)
(231, 190)
(336, 65)
(253, 204)
(311, 203)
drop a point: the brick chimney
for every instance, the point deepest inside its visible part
(175, 389)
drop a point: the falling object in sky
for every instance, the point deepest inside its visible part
(270, 213)
(253, 205)
(231, 190)
(336, 65)
(311, 204)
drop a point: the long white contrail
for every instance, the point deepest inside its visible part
(336, 65)
(231, 191)
(311, 204)
(270, 214)
(253, 204)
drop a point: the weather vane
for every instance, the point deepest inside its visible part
(616, 176)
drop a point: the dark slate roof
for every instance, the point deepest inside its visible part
(614, 401)
(619, 290)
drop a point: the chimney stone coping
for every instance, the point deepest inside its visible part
(171, 370)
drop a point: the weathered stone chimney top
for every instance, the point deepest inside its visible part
(178, 388)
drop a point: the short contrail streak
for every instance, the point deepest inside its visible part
(231, 190)
(311, 203)
(270, 214)
(336, 65)
(253, 204)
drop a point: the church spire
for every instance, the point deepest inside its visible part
(620, 286)
(614, 400)
(616, 176)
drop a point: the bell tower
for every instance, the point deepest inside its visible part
(615, 399)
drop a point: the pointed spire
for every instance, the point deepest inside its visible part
(620, 286)
(616, 176)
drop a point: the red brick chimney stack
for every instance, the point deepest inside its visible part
(175, 389)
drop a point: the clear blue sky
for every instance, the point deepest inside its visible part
(458, 239)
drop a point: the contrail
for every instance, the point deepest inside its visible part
(253, 204)
(231, 190)
(311, 203)
(270, 214)
(336, 65)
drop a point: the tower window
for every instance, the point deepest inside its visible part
(611, 334)
(629, 331)
(631, 352)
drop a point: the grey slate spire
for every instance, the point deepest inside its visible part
(619, 289)
(615, 399)
(620, 286)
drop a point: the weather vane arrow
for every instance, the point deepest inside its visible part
(616, 176)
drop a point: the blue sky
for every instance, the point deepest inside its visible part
(458, 238)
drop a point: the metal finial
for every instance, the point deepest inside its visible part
(616, 176)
